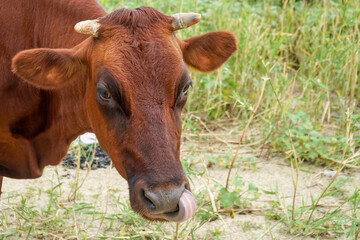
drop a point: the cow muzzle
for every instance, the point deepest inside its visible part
(171, 203)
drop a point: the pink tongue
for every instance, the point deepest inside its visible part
(187, 205)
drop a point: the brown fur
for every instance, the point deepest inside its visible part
(136, 57)
(1, 181)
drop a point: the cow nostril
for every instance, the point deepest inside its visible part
(147, 201)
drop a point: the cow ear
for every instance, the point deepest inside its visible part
(48, 68)
(209, 51)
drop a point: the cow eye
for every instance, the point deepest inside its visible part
(103, 93)
(186, 88)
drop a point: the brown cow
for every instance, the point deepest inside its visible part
(127, 83)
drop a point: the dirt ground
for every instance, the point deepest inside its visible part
(266, 174)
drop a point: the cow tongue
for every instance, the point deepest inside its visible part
(187, 207)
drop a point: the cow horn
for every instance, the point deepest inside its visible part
(184, 20)
(89, 27)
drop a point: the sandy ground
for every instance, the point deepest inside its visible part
(102, 187)
(249, 224)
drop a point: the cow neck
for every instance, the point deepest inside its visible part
(67, 113)
(51, 25)
(71, 116)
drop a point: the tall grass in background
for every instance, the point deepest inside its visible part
(309, 52)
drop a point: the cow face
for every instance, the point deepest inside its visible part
(136, 86)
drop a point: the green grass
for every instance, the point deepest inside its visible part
(308, 54)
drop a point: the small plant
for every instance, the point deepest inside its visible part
(235, 198)
(307, 139)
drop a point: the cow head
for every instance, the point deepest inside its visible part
(136, 84)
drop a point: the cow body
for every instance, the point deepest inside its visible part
(37, 126)
(127, 83)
